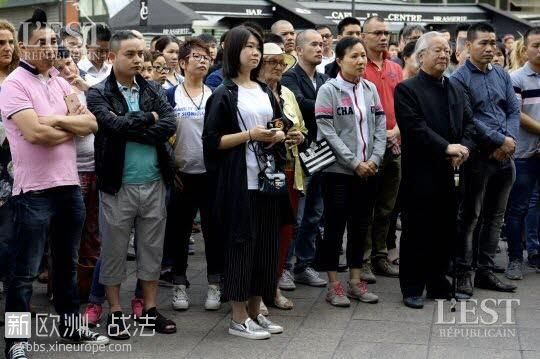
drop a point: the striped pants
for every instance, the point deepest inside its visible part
(250, 267)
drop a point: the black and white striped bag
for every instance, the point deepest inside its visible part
(317, 157)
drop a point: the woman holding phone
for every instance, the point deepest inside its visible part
(237, 142)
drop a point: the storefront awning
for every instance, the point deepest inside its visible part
(297, 9)
(156, 16)
(248, 9)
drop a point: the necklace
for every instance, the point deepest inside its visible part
(191, 99)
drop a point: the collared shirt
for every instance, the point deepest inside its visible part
(325, 61)
(93, 75)
(493, 101)
(140, 160)
(527, 86)
(37, 167)
(385, 80)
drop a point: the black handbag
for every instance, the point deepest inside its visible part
(271, 181)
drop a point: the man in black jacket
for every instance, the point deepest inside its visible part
(132, 167)
(437, 131)
(304, 81)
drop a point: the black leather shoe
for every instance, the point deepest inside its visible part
(414, 302)
(464, 284)
(488, 280)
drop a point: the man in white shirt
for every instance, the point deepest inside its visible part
(97, 46)
(328, 47)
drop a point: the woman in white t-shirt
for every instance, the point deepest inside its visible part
(189, 102)
(235, 134)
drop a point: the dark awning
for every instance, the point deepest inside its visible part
(254, 9)
(296, 8)
(156, 16)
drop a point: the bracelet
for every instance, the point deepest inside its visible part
(249, 134)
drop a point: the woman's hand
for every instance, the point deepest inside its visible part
(261, 134)
(366, 169)
(80, 84)
(294, 138)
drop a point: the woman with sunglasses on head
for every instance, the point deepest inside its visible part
(189, 101)
(244, 153)
(350, 118)
(169, 47)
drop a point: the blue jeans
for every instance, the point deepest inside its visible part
(97, 291)
(533, 219)
(7, 234)
(60, 213)
(310, 212)
(527, 177)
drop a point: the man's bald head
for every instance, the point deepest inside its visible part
(370, 21)
(285, 29)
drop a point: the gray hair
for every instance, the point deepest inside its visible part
(301, 37)
(408, 30)
(422, 44)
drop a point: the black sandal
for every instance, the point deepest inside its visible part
(161, 324)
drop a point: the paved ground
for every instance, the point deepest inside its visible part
(314, 329)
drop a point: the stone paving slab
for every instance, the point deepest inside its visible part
(314, 329)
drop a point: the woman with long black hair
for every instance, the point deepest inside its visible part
(239, 148)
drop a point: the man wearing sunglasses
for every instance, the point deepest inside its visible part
(385, 74)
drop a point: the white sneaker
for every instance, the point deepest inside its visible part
(360, 291)
(267, 325)
(310, 277)
(249, 329)
(180, 299)
(336, 296)
(286, 282)
(213, 298)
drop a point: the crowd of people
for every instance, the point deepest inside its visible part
(108, 144)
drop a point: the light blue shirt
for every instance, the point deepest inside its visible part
(141, 161)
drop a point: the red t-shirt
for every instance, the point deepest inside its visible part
(386, 80)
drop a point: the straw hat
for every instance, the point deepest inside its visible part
(271, 49)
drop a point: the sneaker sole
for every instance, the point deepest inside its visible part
(511, 277)
(341, 305)
(370, 301)
(97, 342)
(180, 308)
(275, 331)
(248, 336)
(212, 308)
(287, 287)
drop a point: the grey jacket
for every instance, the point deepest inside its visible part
(336, 123)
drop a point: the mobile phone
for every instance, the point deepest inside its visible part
(275, 125)
(72, 102)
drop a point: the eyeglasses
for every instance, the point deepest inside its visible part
(379, 33)
(199, 57)
(275, 63)
(162, 69)
(437, 51)
(326, 36)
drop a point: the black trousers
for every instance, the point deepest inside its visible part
(429, 237)
(197, 194)
(250, 267)
(348, 201)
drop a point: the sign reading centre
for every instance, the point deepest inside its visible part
(407, 17)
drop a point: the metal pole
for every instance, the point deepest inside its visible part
(353, 8)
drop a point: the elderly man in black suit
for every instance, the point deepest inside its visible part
(437, 135)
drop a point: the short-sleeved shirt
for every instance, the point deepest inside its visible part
(385, 79)
(37, 167)
(526, 83)
(256, 109)
(188, 149)
(140, 160)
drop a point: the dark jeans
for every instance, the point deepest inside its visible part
(7, 235)
(197, 194)
(487, 187)
(60, 213)
(348, 201)
(527, 178)
(310, 213)
(533, 219)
